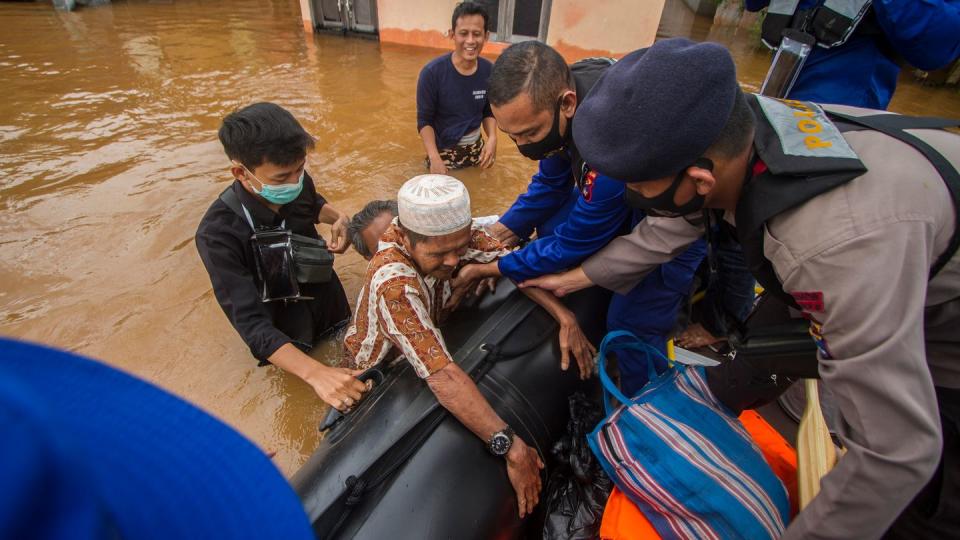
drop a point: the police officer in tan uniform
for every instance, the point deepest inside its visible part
(855, 227)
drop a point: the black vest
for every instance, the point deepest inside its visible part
(816, 160)
(586, 73)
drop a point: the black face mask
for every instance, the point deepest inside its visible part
(662, 205)
(551, 144)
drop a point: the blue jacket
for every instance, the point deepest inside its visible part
(570, 227)
(541, 208)
(925, 33)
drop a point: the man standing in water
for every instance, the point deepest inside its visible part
(452, 98)
(267, 148)
(404, 297)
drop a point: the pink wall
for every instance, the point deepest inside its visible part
(305, 15)
(578, 28)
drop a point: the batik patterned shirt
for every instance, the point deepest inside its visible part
(398, 308)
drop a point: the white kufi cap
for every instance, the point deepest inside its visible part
(434, 205)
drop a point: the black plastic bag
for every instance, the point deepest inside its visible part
(578, 488)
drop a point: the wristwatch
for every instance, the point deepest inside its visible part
(501, 441)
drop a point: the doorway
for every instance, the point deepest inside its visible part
(346, 15)
(518, 20)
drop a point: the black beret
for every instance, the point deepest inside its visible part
(656, 110)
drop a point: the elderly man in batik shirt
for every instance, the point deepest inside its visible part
(407, 291)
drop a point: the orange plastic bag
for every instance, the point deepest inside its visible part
(622, 520)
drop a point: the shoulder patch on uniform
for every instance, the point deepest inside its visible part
(589, 180)
(816, 332)
(804, 129)
(809, 300)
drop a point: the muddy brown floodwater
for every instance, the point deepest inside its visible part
(109, 157)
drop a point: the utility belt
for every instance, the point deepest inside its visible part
(284, 260)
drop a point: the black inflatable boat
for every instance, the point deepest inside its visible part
(399, 466)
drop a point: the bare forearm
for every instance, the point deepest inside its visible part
(490, 129)
(551, 303)
(459, 395)
(561, 284)
(482, 270)
(292, 360)
(330, 215)
(429, 138)
(338, 387)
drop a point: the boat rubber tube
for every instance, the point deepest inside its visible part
(399, 466)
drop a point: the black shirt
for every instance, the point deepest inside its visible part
(223, 240)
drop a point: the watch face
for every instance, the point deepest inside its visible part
(500, 444)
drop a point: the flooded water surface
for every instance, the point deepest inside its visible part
(109, 158)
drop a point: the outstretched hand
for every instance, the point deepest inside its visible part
(339, 387)
(574, 343)
(437, 166)
(470, 280)
(523, 469)
(488, 154)
(503, 234)
(339, 239)
(560, 284)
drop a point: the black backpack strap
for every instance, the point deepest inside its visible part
(230, 199)
(895, 121)
(894, 125)
(585, 73)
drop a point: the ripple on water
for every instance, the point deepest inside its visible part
(109, 158)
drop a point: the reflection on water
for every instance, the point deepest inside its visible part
(109, 157)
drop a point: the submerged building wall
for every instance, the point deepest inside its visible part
(576, 28)
(306, 15)
(579, 28)
(424, 23)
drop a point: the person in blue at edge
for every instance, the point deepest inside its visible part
(534, 95)
(92, 453)
(861, 72)
(452, 106)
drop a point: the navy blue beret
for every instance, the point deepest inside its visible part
(656, 110)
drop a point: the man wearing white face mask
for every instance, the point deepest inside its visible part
(270, 270)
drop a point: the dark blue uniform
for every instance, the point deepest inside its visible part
(573, 223)
(863, 71)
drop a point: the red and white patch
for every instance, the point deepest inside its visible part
(589, 180)
(809, 300)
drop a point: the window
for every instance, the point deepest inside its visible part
(518, 20)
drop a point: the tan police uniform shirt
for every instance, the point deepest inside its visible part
(858, 257)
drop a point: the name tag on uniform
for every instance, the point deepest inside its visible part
(804, 129)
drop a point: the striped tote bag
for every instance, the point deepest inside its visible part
(683, 458)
